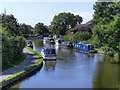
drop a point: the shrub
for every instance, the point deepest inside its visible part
(82, 36)
(12, 49)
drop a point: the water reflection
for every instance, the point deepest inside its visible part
(107, 75)
(49, 64)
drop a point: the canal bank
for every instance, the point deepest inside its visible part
(32, 64)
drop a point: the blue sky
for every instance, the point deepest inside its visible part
(33, 12)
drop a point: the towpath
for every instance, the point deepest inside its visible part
(30, 60)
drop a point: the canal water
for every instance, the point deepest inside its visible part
(73, 69)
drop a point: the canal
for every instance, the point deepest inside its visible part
(73, 69)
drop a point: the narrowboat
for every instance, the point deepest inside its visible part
(30, 44)
(48, 53)
(67, 44)
(51, 40)
(45, 40)
(85, 47)
(59, 41)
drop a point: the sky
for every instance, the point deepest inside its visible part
(34, 11)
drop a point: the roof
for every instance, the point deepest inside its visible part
(81, 26)
(49, 48)
(84, 44)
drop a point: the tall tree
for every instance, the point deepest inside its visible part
(107, 29)
(64, 21)
(25, 29)
(40, 29)
(10, 25)
(104, 12)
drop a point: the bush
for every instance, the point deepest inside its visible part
(117, 54)
(82, 36)
(108, 50)
(67, 37)
(12, 49)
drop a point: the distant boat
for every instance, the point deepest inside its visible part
(48, 53)
(59, 41)
(85, 47)
(52, 41)
(45, 39)
(67, 44)
(30, 44)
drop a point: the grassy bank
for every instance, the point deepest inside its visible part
(25, 70)
(19, 61)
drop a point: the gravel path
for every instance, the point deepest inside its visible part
(31, 59)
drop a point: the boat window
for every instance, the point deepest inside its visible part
(59, 41)
(50, 51)
(30, 42)
(90, 47)
(84, 47)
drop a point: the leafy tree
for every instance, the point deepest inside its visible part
(64, 21)
(10, 25)
(106, 31)
(25, 29)
(105, 12)
(12, 42)
(108, 36)
(40, 28)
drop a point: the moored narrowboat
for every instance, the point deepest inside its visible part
(45, 39)
(30, 44)
(52, 41)
(48, 53)
(59, 41)
(67, 44)
(85, 47)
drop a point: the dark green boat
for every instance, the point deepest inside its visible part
(67, 44)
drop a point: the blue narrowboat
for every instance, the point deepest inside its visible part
(84, 47)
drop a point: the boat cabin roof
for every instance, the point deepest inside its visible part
(85, 44)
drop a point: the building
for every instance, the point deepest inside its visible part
(82, 28)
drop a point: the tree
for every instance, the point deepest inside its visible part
(64, 21)
(105, 12)
(10, 25)
(40, 29)
(12, 42)
(106, 31)
(108, 36)
(25, 29)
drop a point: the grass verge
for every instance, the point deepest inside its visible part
(20, 60)
(27, 69)
(56, 39)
